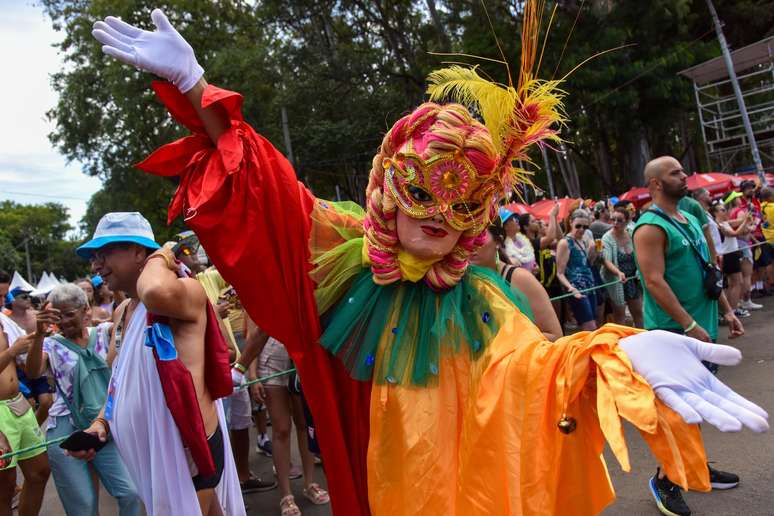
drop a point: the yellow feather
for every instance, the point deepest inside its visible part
(495, 102)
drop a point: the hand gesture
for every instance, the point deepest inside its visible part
(621, 277)
(258, 392)
(735, 328)
(45, 319)
(22, 345)
(671, 364)
(699, 333)
(163, 52)
(554, 210)
(97, 428)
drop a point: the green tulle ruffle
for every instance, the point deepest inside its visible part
(397, 333)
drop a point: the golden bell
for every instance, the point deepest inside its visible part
(567, 425)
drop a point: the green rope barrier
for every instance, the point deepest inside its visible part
(596, 287)
(45, 444)
(265, 379)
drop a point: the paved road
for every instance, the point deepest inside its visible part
(750, 455)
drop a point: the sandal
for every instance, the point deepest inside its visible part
(316, 494)
(288, 506)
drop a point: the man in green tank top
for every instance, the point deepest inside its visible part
(673, 290)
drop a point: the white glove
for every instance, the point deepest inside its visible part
(237, 377)
(671, 364)
(163, 52)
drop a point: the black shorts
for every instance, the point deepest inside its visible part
(732, 262)
(762, 256)
(217, 451)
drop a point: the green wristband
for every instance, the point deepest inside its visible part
(691, 326)
(239, 367)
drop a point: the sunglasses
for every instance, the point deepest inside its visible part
(21, 295)
(581, 226)
(619, 220)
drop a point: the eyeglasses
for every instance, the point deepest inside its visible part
(617, 220)
(581, 226)
(21, 295)
(105, 251)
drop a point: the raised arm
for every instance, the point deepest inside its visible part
(164, 293)
(242, 199)
(37, 359)
(554, 232)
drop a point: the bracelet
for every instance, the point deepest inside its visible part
(239, 367)
(166, 260)
(104, 423)
(691, 326)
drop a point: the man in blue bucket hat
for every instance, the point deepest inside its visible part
(169, 367)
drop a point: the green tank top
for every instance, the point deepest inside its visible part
(683, 274)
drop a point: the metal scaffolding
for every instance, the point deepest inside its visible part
(725, 140)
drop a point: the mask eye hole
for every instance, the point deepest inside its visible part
(419, 194)
(466, 207)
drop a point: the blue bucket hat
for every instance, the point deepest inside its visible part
(125, 227)
(505, 214)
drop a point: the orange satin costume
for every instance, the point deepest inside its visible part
(483, 438)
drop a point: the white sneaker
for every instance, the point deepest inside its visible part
(749, 305)
(741, 312)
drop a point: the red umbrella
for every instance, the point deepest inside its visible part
(517, 207)
(714, 182)
(542, 209)
(638, 195)
(753, 177)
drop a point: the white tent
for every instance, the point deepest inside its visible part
(46, 285)
(18, 282)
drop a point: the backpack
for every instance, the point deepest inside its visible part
(90, 381)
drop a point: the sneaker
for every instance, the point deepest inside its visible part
(255, 485)
(749, 305)
(669, 496)
(722, 479)
(741, 312)
(264, 447)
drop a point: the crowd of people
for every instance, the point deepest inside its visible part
(433, 344)
(566, 275)
(58, 351)
(591, 254)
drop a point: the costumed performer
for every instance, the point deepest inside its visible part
(162, 408)
(431, 391)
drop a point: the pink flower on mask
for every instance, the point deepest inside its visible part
(449, 181)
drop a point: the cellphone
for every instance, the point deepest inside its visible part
(82, 441)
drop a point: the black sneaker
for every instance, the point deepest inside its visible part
(722, 479)
(264, 447)
(669, 496)
(255, 485)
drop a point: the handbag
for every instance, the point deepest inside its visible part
(713, 276)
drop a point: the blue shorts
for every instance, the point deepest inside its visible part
(37, 386)
(584, 309)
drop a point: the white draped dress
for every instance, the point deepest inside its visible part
(148, 439)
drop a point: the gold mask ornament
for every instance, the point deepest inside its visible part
(447, 184)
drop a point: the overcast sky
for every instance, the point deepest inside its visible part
(31, 170)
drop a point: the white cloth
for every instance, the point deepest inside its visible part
(148, 439)
(62, 362)
(729, 244)
(12, 330)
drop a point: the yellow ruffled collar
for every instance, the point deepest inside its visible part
(411, 268)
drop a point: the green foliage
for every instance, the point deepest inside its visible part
(44, 228)
(345, 70)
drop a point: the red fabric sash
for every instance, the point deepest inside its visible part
(180, 392)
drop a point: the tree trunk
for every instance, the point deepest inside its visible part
(443, 37)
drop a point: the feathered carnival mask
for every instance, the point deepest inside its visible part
(440, 160)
